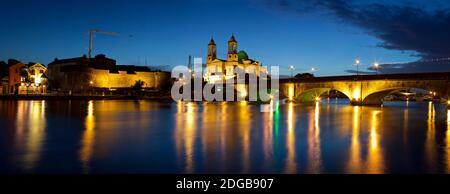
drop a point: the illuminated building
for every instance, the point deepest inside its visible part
(219, 69)
(37, 82)
(18, 78)
(101, 73)
(14, 76)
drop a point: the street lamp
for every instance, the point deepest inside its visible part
(376, 65)
(91, 83)
(357, 63)
(291, 68)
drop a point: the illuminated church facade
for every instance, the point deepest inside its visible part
(219, 70)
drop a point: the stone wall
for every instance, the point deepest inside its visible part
(86, 78)
(105, 79)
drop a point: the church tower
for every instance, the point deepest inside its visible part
(212, 54)
(232, 50)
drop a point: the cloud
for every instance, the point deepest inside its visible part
(434, 65)
(399, 27)
(360, 72)
(405, 27)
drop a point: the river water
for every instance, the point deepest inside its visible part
(109, 136)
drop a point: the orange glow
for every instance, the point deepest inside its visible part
(356, 94)
(313, 135)
(375, 161)
(31, 124)
(185, 134)
(355, 163)
(291, 92)
(447, 141)
(87, 141)
(317, 99)
(245, 132)
(291, 164)
(430, 140)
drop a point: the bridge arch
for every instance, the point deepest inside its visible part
(376, 98)
(312, 95)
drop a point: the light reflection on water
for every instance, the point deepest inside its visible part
(191, 137)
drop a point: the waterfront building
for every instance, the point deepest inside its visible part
(37, 79)
(19, 78)
(16, 77)
(83, 74)
(219, 70)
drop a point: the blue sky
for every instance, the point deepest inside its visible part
(165, 32)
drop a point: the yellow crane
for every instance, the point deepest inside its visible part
(91, 34)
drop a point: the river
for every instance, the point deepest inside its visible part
(113, 136)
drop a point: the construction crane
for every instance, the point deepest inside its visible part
(91, 34)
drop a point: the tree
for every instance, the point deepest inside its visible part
(26, 75)
(138, 86)
(304, 75)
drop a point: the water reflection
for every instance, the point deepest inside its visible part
(355, 160)
(191, 137)
(447, 142)
(430, 141)
(405, 125)
(268, 138)
(185, 134)
(88, 137)
(291, 163)
(245, 131)
(375, 161)
(30, 132)
(314, 149)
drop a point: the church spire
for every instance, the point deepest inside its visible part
(232, 39)
(211, 50)
(211, 42)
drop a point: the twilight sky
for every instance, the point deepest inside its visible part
(327, 35)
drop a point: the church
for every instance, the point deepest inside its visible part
(219, 70)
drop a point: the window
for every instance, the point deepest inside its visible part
(41, 71)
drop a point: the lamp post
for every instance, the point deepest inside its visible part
(357, 63)
(291, 68)
(376, 66)
(358, 100)
(91, 83)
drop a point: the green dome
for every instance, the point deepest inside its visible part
(242, 55)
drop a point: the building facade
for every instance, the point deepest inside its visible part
(82, 74)
(16, 76)
(37, 79)
(219, 70)
(23, 79)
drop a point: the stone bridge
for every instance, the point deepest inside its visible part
(363, 89)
